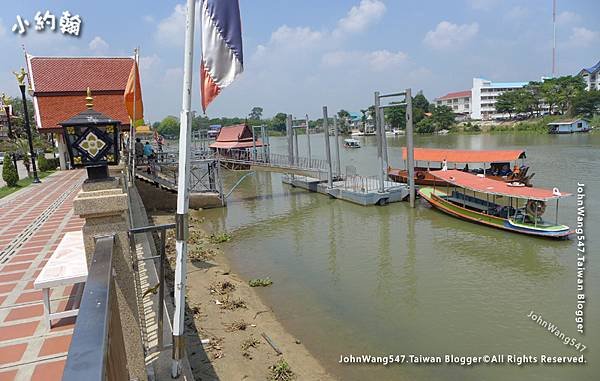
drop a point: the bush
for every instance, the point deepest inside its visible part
(45, 165)
(9, 172)
(42, 163)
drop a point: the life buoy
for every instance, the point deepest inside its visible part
(420, 175)
(535, 208)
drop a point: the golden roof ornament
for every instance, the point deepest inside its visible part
(89, 101)
(20, 76)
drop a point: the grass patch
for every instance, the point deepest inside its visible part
(5, 191)
(281, 371)
(221, 288)
(220, 237)
(233, 304)
(250, 342)
(260, 282)
(238, 325)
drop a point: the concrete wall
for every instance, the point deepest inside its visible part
(158, 198)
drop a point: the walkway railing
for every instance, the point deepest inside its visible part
(97, 350)
(260, 158)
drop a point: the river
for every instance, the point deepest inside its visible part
(394, 280)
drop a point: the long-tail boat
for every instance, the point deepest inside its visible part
(504, 165)
(495, 203)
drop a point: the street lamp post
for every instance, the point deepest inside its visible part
(21, 80)
(9, 125)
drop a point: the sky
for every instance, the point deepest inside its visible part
(302, 55)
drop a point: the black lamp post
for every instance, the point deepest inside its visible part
(9, 125)
(21, 80)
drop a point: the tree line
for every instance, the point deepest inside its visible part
(554, 96)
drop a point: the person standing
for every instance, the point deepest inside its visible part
(139, 150)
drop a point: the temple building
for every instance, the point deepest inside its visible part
(59, 84)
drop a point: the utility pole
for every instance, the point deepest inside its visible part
(379, 143)
(553, 38)
(308, 141)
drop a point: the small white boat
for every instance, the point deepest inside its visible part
(394, 132)
(351, 143)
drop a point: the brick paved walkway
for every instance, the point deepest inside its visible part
(32, 223)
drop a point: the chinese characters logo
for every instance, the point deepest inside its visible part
(68, 24)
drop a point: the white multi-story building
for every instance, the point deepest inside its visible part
(459, 102)
(591, 76)
(484, 94)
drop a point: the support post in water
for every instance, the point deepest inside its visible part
(181, 218)
(308, 140)
(410, 148)
(296, 156)
(288, 128)
(384, 141)
(379, 144)
(336, 147)
(327, 149)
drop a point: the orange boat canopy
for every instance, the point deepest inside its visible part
(486, 185)
(465, 156)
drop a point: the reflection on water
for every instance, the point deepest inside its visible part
(380, 280)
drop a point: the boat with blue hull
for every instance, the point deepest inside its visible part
(494, 203)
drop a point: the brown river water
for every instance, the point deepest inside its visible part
(394, 280)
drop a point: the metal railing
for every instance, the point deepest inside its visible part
(97, 350)
(363, 184)
(162, 231)
(259, 157)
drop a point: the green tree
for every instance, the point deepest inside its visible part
(506, 103)
(343, 117)
(587, 103)
(570, 88)
(169, 126)
(363, 119)
(396, 116)
(9, 172)
(256, 113)
(277, 123)
(425, 126)
(21, 147)
(442, 117)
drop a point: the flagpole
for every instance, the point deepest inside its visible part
(132, 121)
(181, 218)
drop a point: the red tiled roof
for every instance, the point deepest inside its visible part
(59, 87)
(237, 133)
(56, 109)
(457, 94)
(63, 74)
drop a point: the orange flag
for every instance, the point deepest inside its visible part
(134, 90)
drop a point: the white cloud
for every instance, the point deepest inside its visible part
(98, 45)
(148, 18)
(360, 17)
(378, 60)
(447, 35)
(581, 36)
(567, 18)
(288, 40)
(484, 5)
(171, 30)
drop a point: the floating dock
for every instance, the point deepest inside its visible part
(361, 191)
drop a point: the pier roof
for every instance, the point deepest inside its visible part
(486, 185)
(465, 156)
(237, 136)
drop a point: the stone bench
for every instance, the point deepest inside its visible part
(66, 266)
